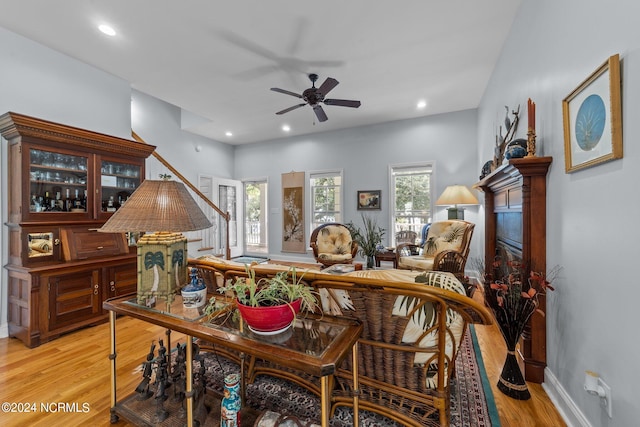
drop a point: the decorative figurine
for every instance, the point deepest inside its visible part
(200, 410)
(179, 379)
(143, 388)
(502, 141)
(162, 378)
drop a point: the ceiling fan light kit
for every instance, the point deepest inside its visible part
(315, 95)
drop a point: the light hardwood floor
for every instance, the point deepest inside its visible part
(74, 369)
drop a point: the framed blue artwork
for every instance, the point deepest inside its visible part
(592, 117)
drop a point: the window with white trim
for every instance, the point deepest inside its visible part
(411, 195)
(326, 197)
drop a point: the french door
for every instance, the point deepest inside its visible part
(226, 194)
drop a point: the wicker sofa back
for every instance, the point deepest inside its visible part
(412, 333)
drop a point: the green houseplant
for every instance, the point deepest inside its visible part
(269, 304)
(368, 239)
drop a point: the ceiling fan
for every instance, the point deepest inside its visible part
(314, 96)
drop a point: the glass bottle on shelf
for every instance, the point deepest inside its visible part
(46, 202)
(111, 205)
(68, 201)
(35, 205)
(56, 205)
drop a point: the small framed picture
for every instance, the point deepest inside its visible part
(369, 200)
(592, 116)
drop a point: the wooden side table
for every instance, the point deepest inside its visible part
(386, 256)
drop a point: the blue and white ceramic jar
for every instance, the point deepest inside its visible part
(194, 295)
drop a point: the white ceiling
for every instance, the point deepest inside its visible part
(218, 59)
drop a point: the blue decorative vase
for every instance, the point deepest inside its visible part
(516, 149)
(231, 402)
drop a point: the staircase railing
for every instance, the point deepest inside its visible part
(225, 215)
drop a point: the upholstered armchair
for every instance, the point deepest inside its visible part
(446, 248)
(332, 244)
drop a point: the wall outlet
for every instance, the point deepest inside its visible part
(606, 400)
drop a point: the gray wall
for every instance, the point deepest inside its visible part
(43, 83)
(365, 154)
(158, 123)
(553, 46)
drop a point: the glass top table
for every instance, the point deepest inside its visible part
(313, 344)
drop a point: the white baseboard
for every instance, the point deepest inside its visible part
(4, 330)
(567, 408)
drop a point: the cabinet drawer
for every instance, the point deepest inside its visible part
(82, 243)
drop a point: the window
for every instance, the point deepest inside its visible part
(255, 217)
(326, 198)
(411, 193)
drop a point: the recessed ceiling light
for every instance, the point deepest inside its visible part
(422, 104)
(107, 29)
(228, 133)
(286, 128)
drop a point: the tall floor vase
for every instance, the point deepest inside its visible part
(511, 380)
(512, 323)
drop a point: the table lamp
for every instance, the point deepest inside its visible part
(162, 209)
(456, 195)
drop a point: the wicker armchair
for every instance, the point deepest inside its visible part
(406, 236)
(446, 248)
(332, 244)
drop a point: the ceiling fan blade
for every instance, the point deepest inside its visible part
(342, 102)
(286, 110)
(328, 84)
(286, 92)
(320, 114)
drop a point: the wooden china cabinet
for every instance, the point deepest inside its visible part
(515, 202)
(64, 183)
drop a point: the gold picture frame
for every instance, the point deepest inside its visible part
(592, 118)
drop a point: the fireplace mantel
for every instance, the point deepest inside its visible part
(515, 202)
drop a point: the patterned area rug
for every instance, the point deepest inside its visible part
(472, 403)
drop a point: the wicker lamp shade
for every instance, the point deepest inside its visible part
(158, 206)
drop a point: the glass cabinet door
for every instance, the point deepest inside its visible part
(57, 182)
(118, 181)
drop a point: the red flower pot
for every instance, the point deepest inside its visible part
(269, 319)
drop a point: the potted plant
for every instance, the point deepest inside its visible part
(368, 239)
(269, 304)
